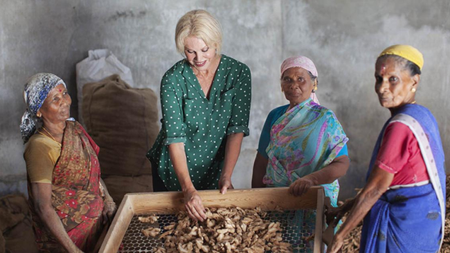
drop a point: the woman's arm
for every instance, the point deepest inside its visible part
(337, 168)
(232, 151)
(237, 126)
(259, 171)
(109, 206)
(377, 184)
(42, 193)
(192, 200)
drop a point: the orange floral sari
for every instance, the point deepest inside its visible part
(76, 193)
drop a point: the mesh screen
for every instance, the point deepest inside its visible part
(135, 241)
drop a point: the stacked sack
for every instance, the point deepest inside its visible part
(16, 226)
(123, 121)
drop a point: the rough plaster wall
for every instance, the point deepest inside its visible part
(343, 39)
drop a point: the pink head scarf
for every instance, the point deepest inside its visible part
(302, 62)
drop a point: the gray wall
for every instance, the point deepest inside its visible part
(342, 37)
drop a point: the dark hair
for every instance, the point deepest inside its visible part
(312, 76)
(413, 68)
(409, 65)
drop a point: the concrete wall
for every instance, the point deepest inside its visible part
(342, 37)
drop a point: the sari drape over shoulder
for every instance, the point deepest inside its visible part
(76, 193)
(410, 218)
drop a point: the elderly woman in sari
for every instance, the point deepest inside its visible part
(302, 143)
(68, 200)
(403, 200)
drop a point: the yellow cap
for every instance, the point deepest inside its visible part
(408, 52)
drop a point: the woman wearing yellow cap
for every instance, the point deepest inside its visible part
(403, 201)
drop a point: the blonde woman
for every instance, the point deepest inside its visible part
(205, 104)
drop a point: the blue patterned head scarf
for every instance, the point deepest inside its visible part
(35, 93)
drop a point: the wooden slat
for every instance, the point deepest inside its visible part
(118, 227)
(266, 198)
(318, 244)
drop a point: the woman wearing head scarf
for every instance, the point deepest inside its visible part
(68, 200)
(403, 201)
(205, 103)
(302, 143)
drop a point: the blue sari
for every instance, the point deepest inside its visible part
(410, 218)
(305, 139)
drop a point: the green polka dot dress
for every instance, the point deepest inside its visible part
(201, 124)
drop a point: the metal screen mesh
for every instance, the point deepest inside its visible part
(135, 241)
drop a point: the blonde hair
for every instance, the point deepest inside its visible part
(201, 24)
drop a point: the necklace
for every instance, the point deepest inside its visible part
(48, 134)
(413, 102)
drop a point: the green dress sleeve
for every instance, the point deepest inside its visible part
(172, 113)
(241, 110)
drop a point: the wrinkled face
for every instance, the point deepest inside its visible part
(297, 85)
(56, 107)
(198, 54)
(394, 83)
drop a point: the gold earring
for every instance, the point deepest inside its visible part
(315, 88)
(413, 90)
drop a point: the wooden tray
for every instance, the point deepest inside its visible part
(172, 202)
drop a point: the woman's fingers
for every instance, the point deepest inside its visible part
(200, 210)
(296, 189)
(194, 206)
(300, 186)
(335, 248)
(224, 185)
(109, 209)
(223, 190)
(105, 216)
(197, 208)
(190, 213)
(196, 212)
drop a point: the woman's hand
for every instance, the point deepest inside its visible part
(43, 206)
(194, 205)
(109, 209)
(336, 244)
(300, 186)
(334, 214)
(225, 184)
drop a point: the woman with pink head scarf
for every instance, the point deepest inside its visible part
(302, 143)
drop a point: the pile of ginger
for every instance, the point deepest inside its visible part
(224, 230)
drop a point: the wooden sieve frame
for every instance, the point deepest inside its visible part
(172, 202)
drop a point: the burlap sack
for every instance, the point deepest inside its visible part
(123, 121)
(118, 186)
(16, 227)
